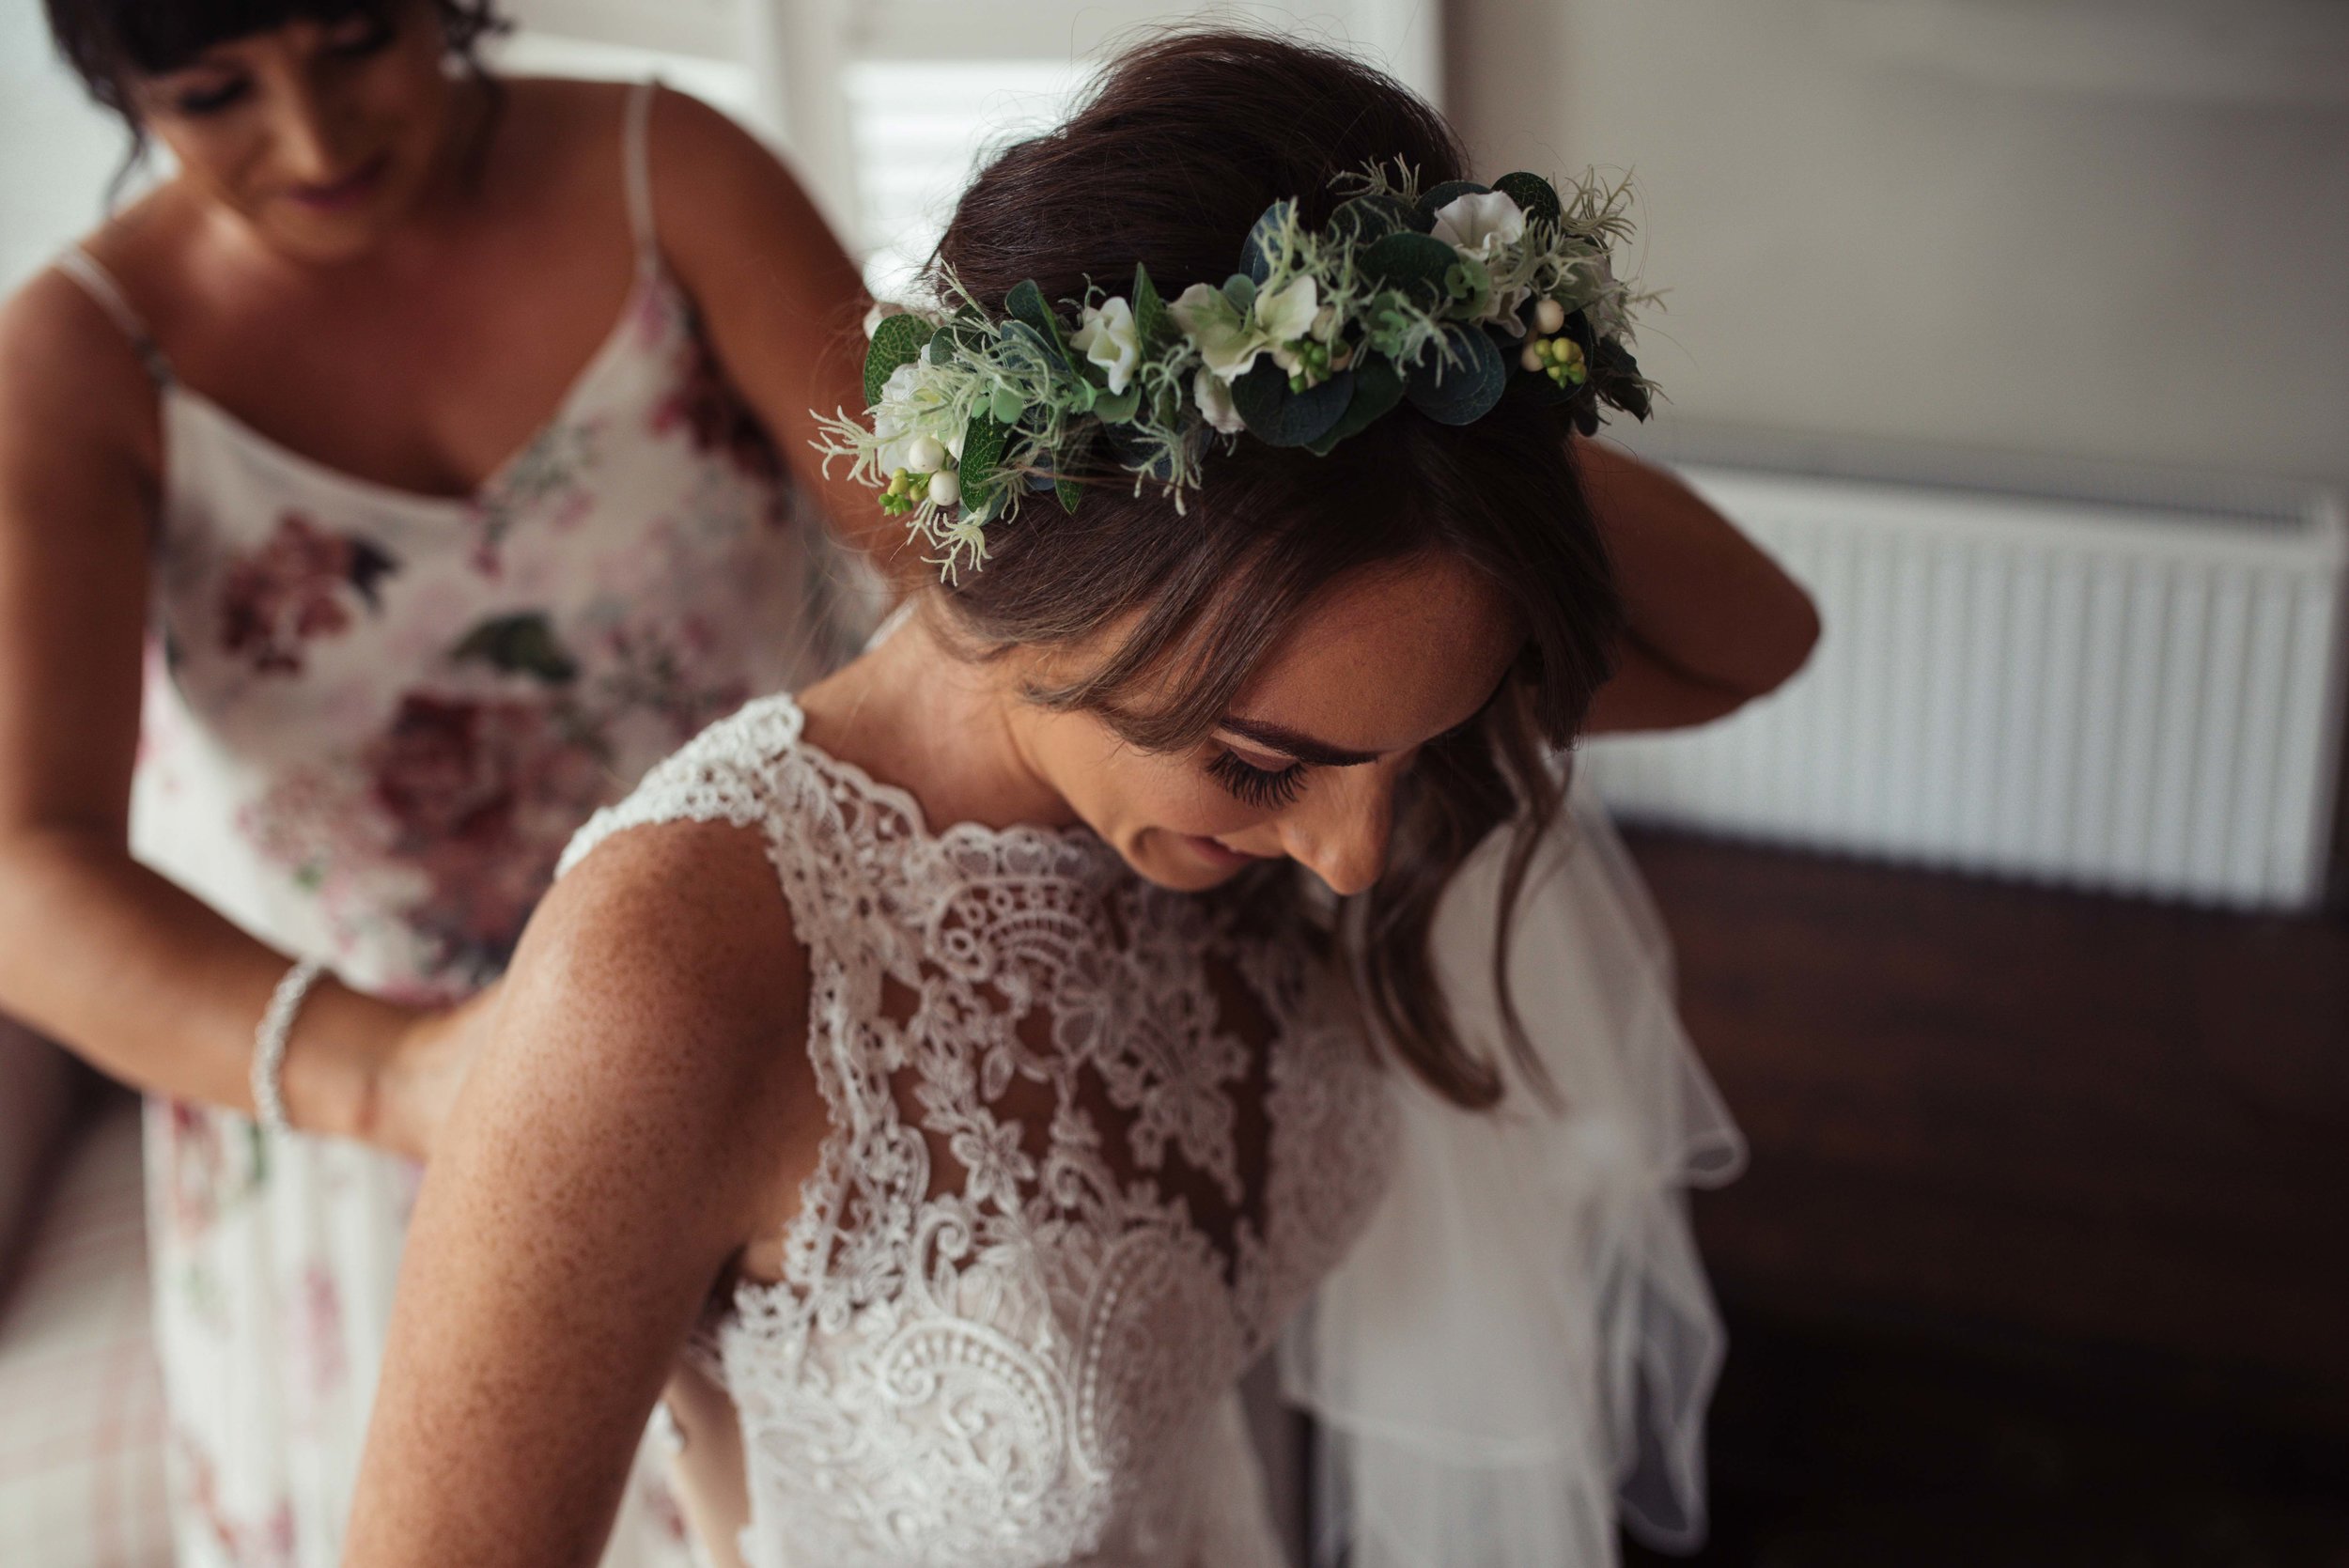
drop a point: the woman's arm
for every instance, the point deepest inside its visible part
(1714, 623)
(616, 1141)
(95, 950)
(780, 300)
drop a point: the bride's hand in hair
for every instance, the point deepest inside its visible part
(1713, 621)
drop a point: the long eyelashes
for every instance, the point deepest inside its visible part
(1266, 790)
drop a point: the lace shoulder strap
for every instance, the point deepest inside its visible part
(725, 774)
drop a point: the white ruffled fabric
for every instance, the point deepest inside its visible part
(1519, 1351)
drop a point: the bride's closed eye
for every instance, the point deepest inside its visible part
(1265, 789)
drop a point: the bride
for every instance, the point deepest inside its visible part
(932, 1090)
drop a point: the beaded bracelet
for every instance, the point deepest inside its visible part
(268, 1043)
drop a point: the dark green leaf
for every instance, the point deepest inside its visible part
(1535, 195)
(1616, 376)
(1240, 291)
(1366, 219)
(523, 645)
(898, 340)
(1151, 322)
(1279, 417)
(1464, 389)
(1026, 303)
(1378, 388)
(1443, 196)
(981, 470)
(1415, 263)
(1265, 242)
(1070, 492)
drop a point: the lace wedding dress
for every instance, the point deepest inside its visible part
(1095, 1143)
(1092, 1142)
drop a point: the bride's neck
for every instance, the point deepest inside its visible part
(949, 731)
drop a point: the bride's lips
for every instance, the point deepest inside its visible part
(348, 192)
(1217, 853)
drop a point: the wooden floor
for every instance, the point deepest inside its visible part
(2033, 1172)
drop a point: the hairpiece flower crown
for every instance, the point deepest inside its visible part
(1429, 298)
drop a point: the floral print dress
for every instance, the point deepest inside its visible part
(372, 721)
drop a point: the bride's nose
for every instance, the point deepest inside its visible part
(1340, 831)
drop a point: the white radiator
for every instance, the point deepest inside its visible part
(2139, 695)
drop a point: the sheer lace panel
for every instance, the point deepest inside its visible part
(1092, 1141)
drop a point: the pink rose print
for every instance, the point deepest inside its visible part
(321, 1363)
(707, 407)
(293, 589)
(482, 796)
(263, 1543)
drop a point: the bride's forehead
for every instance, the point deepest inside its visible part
(1389, 657)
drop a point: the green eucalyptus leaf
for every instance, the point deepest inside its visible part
(897, 340)
(1441, 197)
(1533, 194)
(1265, 244)
(1005, 405)
(1118, 407)
(1464, 389)
(1152, 321)
(1279, 417)
(1026, 303)
(981, 468)
(1378, 388)
(1240, 291)
(1417, 264)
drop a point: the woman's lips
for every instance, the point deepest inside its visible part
(348, 192)
(1217, 853)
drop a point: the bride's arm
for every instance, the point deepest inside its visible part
(606, 1159)
(1714, 623)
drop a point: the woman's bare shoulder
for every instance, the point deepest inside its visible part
(664, 968)
(74, 389)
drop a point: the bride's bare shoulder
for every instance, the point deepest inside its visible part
(664, 970)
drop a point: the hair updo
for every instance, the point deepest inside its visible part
(1181, 144)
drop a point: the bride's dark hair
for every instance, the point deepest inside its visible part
(1182, 143)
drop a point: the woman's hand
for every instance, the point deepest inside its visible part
(417, 1078)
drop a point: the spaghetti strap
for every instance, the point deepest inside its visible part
(99, 284)
(638, 166)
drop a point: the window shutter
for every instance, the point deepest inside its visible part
(887, 106)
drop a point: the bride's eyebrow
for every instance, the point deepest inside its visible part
(1304, 748)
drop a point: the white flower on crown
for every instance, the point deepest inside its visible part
(1215, 401)
(1228, 343)
(913, 409)
(1479, 226)
(1106, 334)
(1480, 223)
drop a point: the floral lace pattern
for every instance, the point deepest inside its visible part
(1092, 1142)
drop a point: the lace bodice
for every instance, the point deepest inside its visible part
(1092, 1143)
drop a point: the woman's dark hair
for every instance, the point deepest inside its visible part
(110, 42)
(1183, 142)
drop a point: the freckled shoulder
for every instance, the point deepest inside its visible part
(664, 968)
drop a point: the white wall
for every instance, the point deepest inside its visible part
(2104, 228)
(57, 151)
